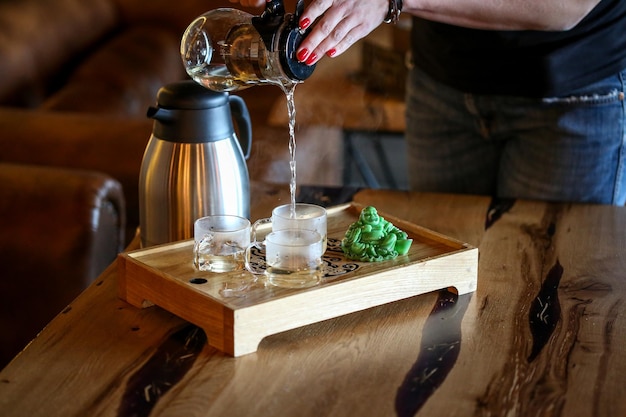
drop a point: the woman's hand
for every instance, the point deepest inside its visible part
(336, 25)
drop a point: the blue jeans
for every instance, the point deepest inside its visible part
(569, 149)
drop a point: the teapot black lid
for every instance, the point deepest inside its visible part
(295, 69)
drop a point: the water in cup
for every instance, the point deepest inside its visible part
(300, 216)
(220, 243)
(294, 258)
(218, 256)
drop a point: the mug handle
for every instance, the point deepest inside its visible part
(248, 264)
(256, 225)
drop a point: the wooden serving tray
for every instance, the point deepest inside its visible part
(237, 310)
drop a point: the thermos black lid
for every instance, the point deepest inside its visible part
(190, 113)
(189, 95)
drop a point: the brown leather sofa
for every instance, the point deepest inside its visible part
(76, 79)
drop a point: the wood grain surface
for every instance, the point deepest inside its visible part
(543, 335)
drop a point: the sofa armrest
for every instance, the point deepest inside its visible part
(122, 77)
(59, 229)
(111, 145)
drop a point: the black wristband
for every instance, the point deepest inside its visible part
(393, 15)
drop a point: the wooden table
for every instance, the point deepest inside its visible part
(543, 335)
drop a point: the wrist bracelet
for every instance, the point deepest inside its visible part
(393, 15)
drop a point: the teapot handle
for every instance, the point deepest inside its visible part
(276, 8)
(273, 9)
(299, 9)
(242, 118)
(269, 21)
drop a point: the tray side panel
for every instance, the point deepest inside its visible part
(140, 284)
(458, 270)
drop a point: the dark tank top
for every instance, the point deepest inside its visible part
(524, 63)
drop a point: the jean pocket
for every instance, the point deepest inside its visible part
(589, 98)
(609, 90)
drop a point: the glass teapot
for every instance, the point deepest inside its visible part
(228, 50)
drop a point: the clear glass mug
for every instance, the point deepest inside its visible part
(293, 258)
(220, 242)
(305, 217)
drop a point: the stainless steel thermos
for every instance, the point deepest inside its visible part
(194, 164)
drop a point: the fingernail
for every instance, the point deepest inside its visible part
(311, 59)
(305, 23)
(302, 54)
(331, 53)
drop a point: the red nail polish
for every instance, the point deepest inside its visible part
(311, 59)
(302, 54)
(305, 23)
(331, 53)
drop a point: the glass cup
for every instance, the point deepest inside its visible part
(293, 258)
(220, 243)
(305, 217)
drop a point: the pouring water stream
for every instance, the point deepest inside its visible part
(291, 109)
